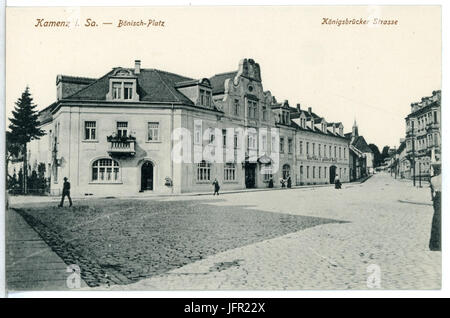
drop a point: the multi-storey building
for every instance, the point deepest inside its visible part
(423, 135)
(361, 156)
(136, 129)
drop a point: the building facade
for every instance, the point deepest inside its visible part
(146, 130)
(361, 156)
(423, 136)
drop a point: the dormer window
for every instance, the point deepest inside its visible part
(127, 90)
(205, 97)
(117, 90)
(122, 86)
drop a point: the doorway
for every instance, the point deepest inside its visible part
(332, 174)
(250, 175)
(147, 176)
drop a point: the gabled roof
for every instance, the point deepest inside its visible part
(153, 86)
(360, 143)
(218, 82)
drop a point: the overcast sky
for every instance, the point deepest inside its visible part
(371, 74)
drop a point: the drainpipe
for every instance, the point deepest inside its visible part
(171, 147)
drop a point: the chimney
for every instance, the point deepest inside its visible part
(309, 110)
(137, 66)
(298, 108)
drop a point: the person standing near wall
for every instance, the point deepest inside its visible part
(435, 185)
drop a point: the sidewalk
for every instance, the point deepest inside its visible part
(30, 262)
(20, 199)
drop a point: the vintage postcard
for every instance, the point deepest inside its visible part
(223, 148)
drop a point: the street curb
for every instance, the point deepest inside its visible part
(57, 198)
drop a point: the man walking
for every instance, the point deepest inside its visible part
(66, 192)
(216, 186)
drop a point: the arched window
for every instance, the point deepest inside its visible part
(286, 171)
(105, 170)
(204, 171)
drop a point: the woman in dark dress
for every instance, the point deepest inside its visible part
(435, 185)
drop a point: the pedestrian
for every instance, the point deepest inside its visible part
(66, 192)
(271, 183)
(216, 186)
(435, 185)
(337, 182)
(283, 183)
(289, 182)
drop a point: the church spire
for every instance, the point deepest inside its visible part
(355, 129)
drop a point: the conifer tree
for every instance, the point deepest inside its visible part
(25, 127)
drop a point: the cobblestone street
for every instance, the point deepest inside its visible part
(314, 238)
(389, 226)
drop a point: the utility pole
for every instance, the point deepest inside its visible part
(413, 154)
(420, 175)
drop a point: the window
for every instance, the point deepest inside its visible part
(301, 147)
(314, 172)
(122, 129)
(252, 143)
(340, 153)
(153, 131)
(320, 172)
(128, 91)
(320, 150)
(307, 148)
(236, 107)
(307, 172)
(212, 135)
(345, 153)
(281, 144)
(274, 144)
(324, 150)
(116, 90)
(267, 172)
(224, 137)
(301, 170)
(229, 173)
(252, 109)
(435, 117)
(236, 141)
(289, 145)
(89, 130)
(313, 148)
(335, 154)
(329, 151)
(264, 143)
(325, 172)
(204, 171)
(264, 112)
(105, 170)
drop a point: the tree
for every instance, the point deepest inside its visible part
(384, 153)
(376, 155)
(12, 150)
(24, 127)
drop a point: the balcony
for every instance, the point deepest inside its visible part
(121, 146)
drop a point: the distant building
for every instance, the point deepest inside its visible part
(423, 136)
(362, 157)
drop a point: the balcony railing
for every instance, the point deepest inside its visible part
(121, 145)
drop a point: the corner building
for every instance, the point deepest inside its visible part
(114, 135)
